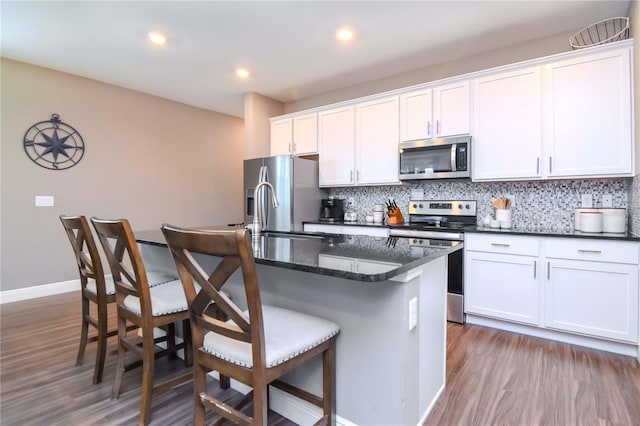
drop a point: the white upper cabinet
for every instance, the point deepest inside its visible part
(281, 136)
(359, 144)
(296, 136)
(377, 139)
(305, 134)
(507, 126)
(438, 112)
(451, 109)
(416, 115)
(336, 143)
(588, 116)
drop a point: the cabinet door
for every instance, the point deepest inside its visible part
(305, 134)
(593, 298)
(281, 136)
(501, 286)
(416, 113)
(336, 145)
(588, 114)
(507, 140)
(451, 107)
(377, 138)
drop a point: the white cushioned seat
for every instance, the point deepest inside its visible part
(154, 279)
(286, 333)
(166, 299)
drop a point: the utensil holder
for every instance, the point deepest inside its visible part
(395, 217)
(503, 214)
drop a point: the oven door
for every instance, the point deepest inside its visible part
(435, 159)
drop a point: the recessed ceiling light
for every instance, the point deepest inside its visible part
(158, 38)
(242, 73)
(344, 34)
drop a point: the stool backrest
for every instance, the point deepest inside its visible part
(125, 261)
(85, 251)
(234, 247)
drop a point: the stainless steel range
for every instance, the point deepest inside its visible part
(442, 222)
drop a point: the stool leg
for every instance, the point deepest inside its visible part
(84, 331)
(102, 344)
(199, 386)
(117, 381)
(148, 358)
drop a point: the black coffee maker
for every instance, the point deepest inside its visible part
(332, 210)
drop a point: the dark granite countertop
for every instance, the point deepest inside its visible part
(343, 223)
(378, 259)
(546, 232)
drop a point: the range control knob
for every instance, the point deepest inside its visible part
(466, 206)
(420, 205)
(415, 206)
(460, 206)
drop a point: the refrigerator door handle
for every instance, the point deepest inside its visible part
(265, 206)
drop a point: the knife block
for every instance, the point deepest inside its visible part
(395, 217)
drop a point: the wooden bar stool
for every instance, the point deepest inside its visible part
(146, 308)
(255, 346)
(94, 289)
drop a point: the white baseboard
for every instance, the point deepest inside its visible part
(18, 294)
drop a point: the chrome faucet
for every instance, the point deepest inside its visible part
(257, 217)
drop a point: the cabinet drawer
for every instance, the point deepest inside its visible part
(509, 244)
(593, 250)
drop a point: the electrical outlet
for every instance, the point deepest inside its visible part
(607, 200)
(587, 200)
(413, 313)
(351, 201)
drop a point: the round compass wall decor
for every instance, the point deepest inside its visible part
(53, 144)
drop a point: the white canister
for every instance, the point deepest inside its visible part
(503, 214)
(578, 215)
(591, 221)
(377, 217)
(613, 220)
(378, 208)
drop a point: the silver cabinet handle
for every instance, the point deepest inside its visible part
(538, 165)
(290, 148)
(437, 127)
(358, 176)
(535, 266)
(590, 251)
(500, 245)
(550, 164)
(294, 148)
(428, 128)
(548, 270)
(351, 178)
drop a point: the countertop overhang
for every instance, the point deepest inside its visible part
(378, 259)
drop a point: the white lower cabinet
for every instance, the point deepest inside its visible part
(592, 290)
(502, 286)
(574, 285)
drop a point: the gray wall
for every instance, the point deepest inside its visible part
(475, 62)
(147, 159)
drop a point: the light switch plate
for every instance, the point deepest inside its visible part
(607, 200)
(587, 200)
(44, 200)
(413, 313)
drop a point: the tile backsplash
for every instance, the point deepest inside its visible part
(538, 205)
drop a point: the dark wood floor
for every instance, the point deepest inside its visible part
(493, 377)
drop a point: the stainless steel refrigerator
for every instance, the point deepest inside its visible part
(295, 181)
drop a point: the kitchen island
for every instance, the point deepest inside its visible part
(389, 300)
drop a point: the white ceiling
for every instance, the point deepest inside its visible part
(290, 47)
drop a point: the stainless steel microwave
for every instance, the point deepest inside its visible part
(444, 158)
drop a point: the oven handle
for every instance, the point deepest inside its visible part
(435, 235)
(454, 148)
